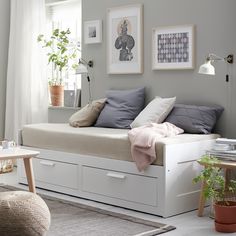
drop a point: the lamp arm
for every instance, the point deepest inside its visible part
(86, 63)
(213, 57)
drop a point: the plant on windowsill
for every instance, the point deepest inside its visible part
(217, 188)
(62, 55)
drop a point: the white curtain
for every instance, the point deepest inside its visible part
(27, 92)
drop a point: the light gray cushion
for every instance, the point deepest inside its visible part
(121, 108)
(88, 114)
(195, 119)
(156, 111)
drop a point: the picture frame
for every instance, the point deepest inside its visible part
(125, 39)
(93, 31)
(173, 47)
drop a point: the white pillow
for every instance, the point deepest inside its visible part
(156, 111)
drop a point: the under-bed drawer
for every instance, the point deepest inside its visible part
(129, 187)
(56, 173)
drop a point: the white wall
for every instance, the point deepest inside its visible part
(4, 29)
(215, 32)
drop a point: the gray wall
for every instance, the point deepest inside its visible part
(60, 114)
(4, 29)
(215, 32)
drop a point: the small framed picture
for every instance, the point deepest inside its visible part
(173, 47)
(125, 39)
(93, 31)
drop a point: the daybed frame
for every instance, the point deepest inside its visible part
(161, 190)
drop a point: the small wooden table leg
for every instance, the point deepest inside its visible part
(202, 200)
(29, 174)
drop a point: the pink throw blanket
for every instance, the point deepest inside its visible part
(143, 141)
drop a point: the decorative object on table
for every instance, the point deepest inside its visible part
(8, 144)
(226, 141)
(173, 47)
(62, 55)
(23, 213)
(218, 188)
(93, 31)
(208, 69)
(6, 166)
(82, 68)
(68, 215)
(224, 149)
(125, 39)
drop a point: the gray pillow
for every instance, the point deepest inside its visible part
(121, 108)
(195, 119)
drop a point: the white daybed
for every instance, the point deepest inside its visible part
(95, 163)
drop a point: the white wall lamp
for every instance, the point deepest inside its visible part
(208, 69)
(83, 69)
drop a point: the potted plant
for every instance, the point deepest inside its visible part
(217, 188)
(62, 55)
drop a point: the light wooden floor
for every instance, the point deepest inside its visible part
(187, 224)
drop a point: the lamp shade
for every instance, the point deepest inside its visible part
(81, 69)
(207, 68)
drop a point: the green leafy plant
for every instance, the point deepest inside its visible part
(215, 183)
(62, 54)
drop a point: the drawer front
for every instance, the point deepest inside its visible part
(129, 187)
(56, 173)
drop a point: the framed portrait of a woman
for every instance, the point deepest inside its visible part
(125, 40)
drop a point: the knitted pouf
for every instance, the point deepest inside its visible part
(23, 214)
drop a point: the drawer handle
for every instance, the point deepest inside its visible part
(116, 175)
(47, 163)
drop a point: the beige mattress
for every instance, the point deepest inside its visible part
(103, 142)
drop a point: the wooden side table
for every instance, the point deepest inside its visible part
(26, 155)
(226, 166)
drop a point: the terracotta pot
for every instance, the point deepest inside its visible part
(225, 217)
(57, 95)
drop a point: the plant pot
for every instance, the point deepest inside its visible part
(57, 95)
(225, 217)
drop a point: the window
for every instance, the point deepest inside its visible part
(66, 14)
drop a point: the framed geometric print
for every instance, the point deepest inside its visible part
(173, 47)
